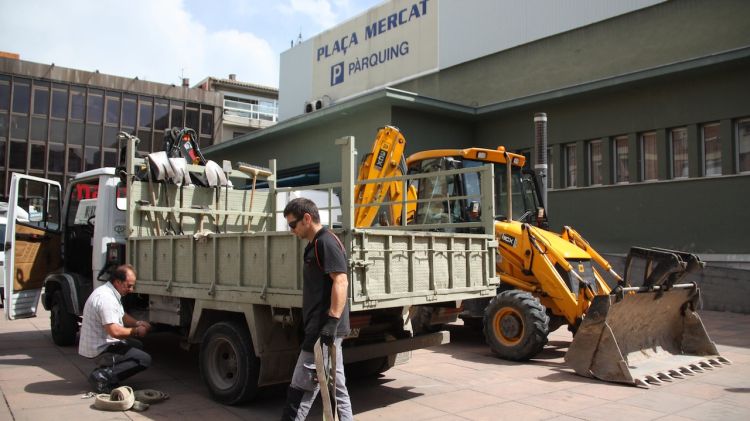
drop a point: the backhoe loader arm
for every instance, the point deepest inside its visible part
(574, 237)
(385, 160)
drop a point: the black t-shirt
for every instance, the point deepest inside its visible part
(316, 290)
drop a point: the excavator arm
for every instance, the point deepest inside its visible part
(383, 200)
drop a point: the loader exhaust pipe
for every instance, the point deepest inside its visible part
(540, 164)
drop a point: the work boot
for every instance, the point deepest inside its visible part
(102, 380)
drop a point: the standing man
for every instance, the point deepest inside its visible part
(107, 333)
(325, 309)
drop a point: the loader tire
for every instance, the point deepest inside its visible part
(515, 325)
(228, 363)
(63, 325)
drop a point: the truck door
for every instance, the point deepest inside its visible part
(32, 242)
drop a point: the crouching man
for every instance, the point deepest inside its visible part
(107, 333)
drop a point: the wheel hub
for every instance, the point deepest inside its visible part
(508, 326)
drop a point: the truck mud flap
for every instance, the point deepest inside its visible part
(643, 336)
(381, 349)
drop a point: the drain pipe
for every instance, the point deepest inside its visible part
(540, 165)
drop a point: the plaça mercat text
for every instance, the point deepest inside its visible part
(394, 20)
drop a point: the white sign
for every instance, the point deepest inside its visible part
(396, 40)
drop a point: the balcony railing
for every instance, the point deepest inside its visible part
(269, 113)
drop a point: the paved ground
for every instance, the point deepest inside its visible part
(459, 381)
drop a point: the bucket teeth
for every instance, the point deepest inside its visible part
(642, 383)
(653, 379)
(697, 368)
(676, 374)
(665, 377)
(686, 370)
(724, 360)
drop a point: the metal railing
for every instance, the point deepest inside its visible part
(251, 111)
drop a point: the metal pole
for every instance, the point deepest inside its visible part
(540, 165)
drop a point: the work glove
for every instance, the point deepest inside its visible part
(328, 332)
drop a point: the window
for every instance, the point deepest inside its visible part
(113, 108)
(56, 157)
(129, 111)
(21, 97)
(622, 172)
(77, 110)
(570, 165)
(95, 106)
(4, 94)
(678, 146)
(743, 145)
(711, 149)
(41, 100)
(649, 163)
(38, 153)
(161, 115)
(17, 155)
(595, 162)
(207, 123)
(145, 113)
(178, 114)
(59, 103)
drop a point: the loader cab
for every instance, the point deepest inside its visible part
(437, 191)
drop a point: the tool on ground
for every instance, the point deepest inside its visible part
(123, 398)
(254, 171)
(325, 368)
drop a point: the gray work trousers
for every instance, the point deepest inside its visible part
(305, 379)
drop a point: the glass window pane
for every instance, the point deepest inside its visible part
(4, 96)
(38, 153)
(110, 158)
(59, 103)
(191, 119)
(128, 112)
(93, 135)
(2, 159)
(622, 173)
(161, 115)
(17, 156)
(570, 165)
(57, 130)
(743, 145)
(3, 124)
(38, 128)
(75, 159)
(75, 133)
(19, 127)
(41, 100)
(207, 123)
(711, 150)
(77, 110)
(679, 148)
(56, 157)
(109, 140)
(21, 97)
(113, 110)
(145, 113)
(595, 162)
(145, 143)
(95, 107)
(93, 159)
(649, 167)
(177, 117)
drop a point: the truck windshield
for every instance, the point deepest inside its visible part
(523, 194)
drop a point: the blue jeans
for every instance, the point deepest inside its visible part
(304, 387)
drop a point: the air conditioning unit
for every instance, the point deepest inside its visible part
(317, 104)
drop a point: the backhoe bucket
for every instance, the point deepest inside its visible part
(643, 335)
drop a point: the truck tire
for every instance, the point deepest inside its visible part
(420, 322)
(515, 325)
(228, 363)
(63, 325)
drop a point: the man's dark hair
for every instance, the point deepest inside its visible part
(121, 272)
(300, 206)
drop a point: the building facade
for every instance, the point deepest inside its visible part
(649, 118)
(247, 107)
(56, 122)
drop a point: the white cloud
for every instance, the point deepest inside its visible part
(154, 40)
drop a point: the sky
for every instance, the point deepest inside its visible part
(165, 40)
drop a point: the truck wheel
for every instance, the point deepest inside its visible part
(228, 363)
(420, 322)
(63, 325)
(515, 325)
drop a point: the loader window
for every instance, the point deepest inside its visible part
(523, 192)
(437, 189)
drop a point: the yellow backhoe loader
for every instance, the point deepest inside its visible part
(642, 331)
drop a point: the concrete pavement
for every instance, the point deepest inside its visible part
(458, 381)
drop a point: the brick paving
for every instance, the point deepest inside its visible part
(458, 381)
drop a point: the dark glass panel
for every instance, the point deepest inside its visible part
(161, 116)
(93, 135)
(109, 139)
(95, 108)
(145, 144)
(75, 133)
(191, 119)
(113, 110)
(93, 159)
(77, 110)
(207, 123)
(75, 160)
(21, 97)
(19, 127)
(59, 103)
(2, 156)
(41, 101)
(128, 113)
(145, 114)
(38, 128)
(57, 130)
(110, 158)
(38, 153)
(56, 157)
(177, 117)
(4, 96)
(17, 156)
(3, 125)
